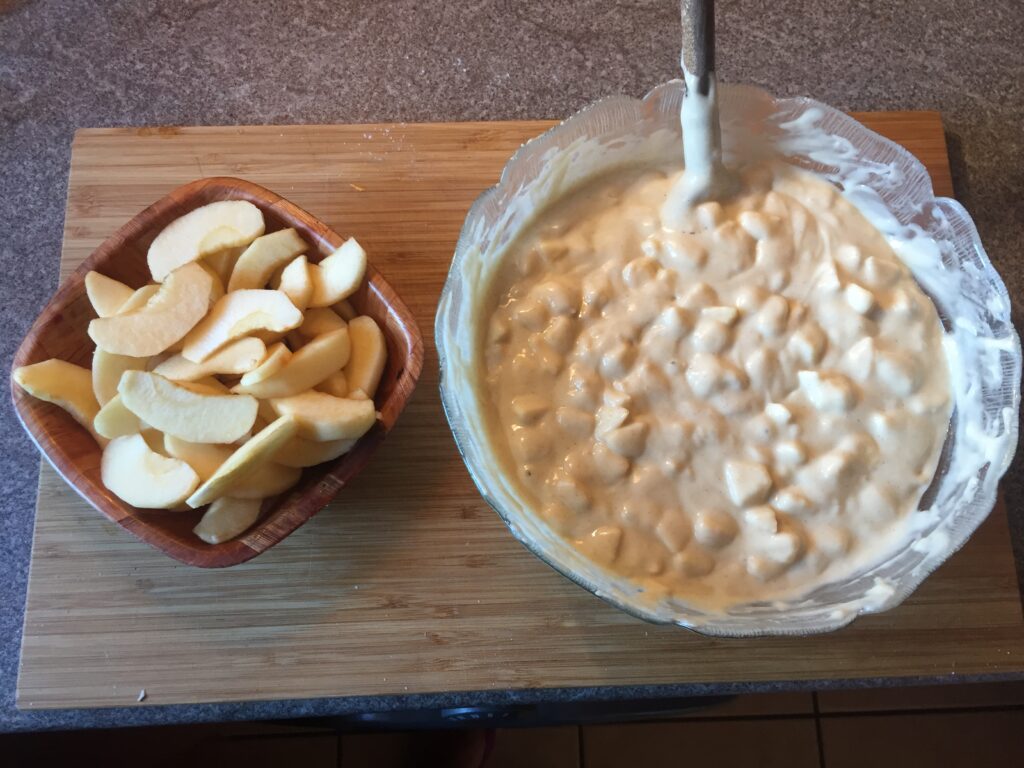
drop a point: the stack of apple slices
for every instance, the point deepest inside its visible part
(216, 384)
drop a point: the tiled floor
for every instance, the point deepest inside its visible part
(954, 725)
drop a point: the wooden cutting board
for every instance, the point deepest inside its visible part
(408, 582)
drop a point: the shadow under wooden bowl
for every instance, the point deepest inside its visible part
(61, 332)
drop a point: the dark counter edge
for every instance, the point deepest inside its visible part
(341, 707)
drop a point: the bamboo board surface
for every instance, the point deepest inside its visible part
(409, 582)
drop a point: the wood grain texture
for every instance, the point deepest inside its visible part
(408, 582)
(61, 332)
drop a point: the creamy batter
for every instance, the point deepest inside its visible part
(725, 401)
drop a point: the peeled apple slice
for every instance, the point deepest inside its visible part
(178, 305)
(323, 417)
(115, 420)
(345, 311)
(272, 479)
(319, 321)
(277, 356)
(106, 373)
(369, 353)
(174, 410)
(202, 232)
(264, 255)
(299, 452)
(227, 518)
(223, 262)
(308, 367)
(240, 313)
(336, 384)
(106, 294)
(217, 290)
(64, 384)
(236, 358)
(251, 456)
(143, 478)
(139, 299)
(204, 458)
(208, 385)
(296, 284)
(338, 276)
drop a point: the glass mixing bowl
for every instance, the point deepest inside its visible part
(874, 174)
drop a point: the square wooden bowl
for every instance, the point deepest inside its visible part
(61, 332)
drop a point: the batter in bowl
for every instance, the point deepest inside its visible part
(725, 401)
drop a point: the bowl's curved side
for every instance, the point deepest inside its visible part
(875, 174)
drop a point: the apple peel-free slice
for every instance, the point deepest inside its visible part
(139, 298)
(324, 417)
(178, 305)
(277, 357)
(240, 313)
(115, 420)
(223, 262)
(336, 384)
(272, 479)
(296, 284)
(369, 354)
(204, 458)
(227, 518)
(202, 232)
(106, 294)
(308, 367)
(107, 369)
(338, 276)
(235, 358)
(264, 255)
(300, 452)
(64, 384)
(143, 478)
(174, 410)
(248, 458)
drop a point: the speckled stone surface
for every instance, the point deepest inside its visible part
(66, 64)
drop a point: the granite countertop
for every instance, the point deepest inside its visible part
(67, 64)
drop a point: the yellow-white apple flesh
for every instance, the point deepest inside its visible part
(338, 276)
(144, 478)
(336, 384)
(277, 356)
(345, 311)
(319, 321)
(115, 420)
(217, 289)
(106, 372)
(233, 359)
(178, 305)
(296, 284)
(204, 458)
(106, 294)
(240, 313)
(308, 367)
(265, 254)
(247, 459)
(174, 410)
(208, 385)
(300, 452)
(139, 298)
(324, 417)
(202, 232)
(227, 518)
(223, 262)
(64, 384)
(272, 479)
(369, 353)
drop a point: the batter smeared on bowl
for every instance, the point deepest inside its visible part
(735, 401)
